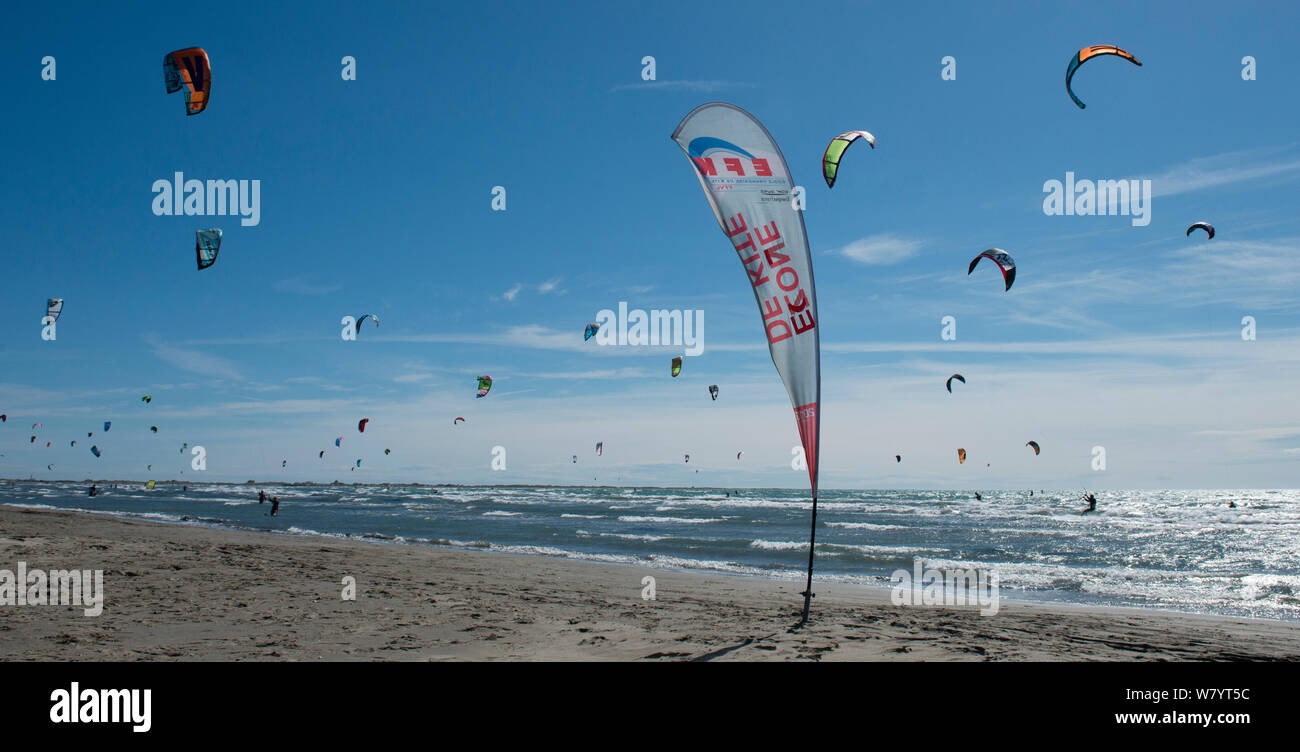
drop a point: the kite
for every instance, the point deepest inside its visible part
(590, 331)
(283, 463)
(600, 448)
(1002, 259)
(748, 186)
(49, 467)
(107, 425)
(1209, 228)
(835, 150)
(149, 486)
(147, 398)
(49, 443)
(33, 441)
(184, 446)
(458, 420)
(1033, 444)
(148, 467)
(688, 458)
(898, 458)
(3, 418)
(363, 318)
(738, 456)
(957, 376)
(154, 429)
(1086, 54)
(713, 392)
(74, 442)
(961, 456)
(677, 366)
(190, 70)
(388, 451)
(37, 425)
(207, 244)
(54, 307)
(94, 450)
(575, 459)
(321, 456)
(358, 463)
(484, 386)
(338, 442)
(361, 425)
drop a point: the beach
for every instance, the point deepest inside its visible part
(182, 592)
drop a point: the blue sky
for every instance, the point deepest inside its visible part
(376, 198)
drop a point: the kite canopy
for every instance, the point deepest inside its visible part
(189, 69)
(107, 424)
(94, 450)
(713, 391)
(147, 398)
(1209, 228)
(3, 418)
(361, 424)
(54, 307)
(1086, 54)
(321, 455)
(677, 366)
(835, 151)
(738, 455)
(1002, 259)
(338, 442)
(688, 458)
(590, 331)
(484, 386)
(458, 420)
(961, 456)
(388, 451)
(1033, 444)
(898, 458)
(207, 244)
(957, 376)
(154, 429)
(364, 317)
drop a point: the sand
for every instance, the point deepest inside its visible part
(178, 592)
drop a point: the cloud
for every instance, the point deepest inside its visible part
(702, 86)
(300, 286)
(549, 286)
(1225, 169)
(880, 250)
(512, 292)
(193, 360)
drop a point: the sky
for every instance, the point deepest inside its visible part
(376, 196)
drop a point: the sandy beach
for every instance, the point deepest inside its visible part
(177, 592)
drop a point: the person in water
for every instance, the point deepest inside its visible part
(1232, 505)
(978, 497)
(1092, 504)
(261, 497)
(93, 490)
(275, 505)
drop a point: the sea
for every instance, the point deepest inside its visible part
(1215, 552)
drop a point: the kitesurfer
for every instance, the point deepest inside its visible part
(261, 497)
(1092, 504)
(275, 505)
(93, 490)
(978, 497)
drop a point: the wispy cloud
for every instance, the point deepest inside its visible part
(702, 86)
(880, 250)
(1225, 169)
(549, 286)
(193, 360)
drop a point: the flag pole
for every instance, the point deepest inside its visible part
(812, 540)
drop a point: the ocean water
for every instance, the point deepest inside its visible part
(1182, 550)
